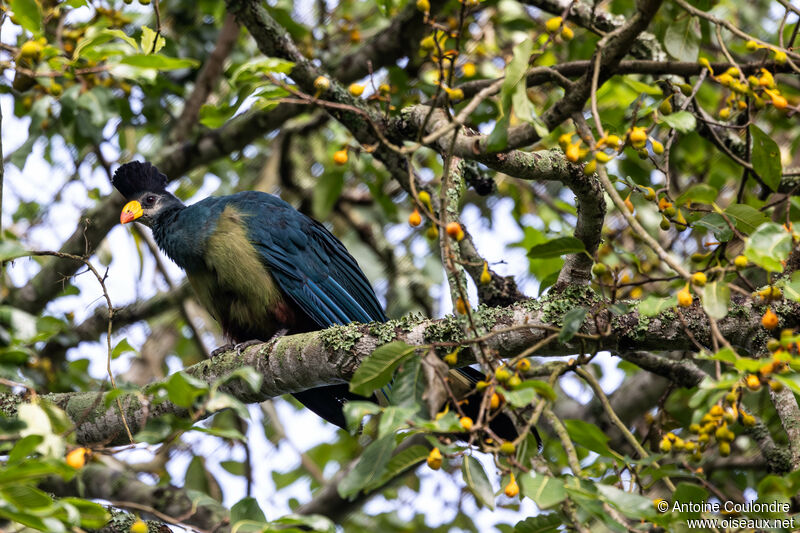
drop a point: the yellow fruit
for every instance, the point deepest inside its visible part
(553, 24)
(77, 457)
(502, 374)
(773, 345)
(427, 43)
(598, 269)
(590, 167)
(665, 224)
(469, 70)
(524, 365)
(725, 113)
(340, 157)
(425, 198)
(145, 2)
(638, 136)
(778, 101)
(512, 489)
(648, 193)
(724, 449)
(322, 83)
(748, 420)
(740, 261)
(466, 422)
(658, 148)
(665, 107)
(414, 219)
(432, 233)
(753, 383)
(435, 459)
(424, 5)
(138, 527)
(384, 88)
(356, 89)
(769, 320)
(508, 448)
(494, 401)
(699, 279)
(751, 45)
(461, 306)
(776, 386)
(454, 231)
(451, 358)
(481, 385)
(573, 152)
(567, 34)
(603, 157)
(665, 445)
(564, 140)
(513, 382)
(30, 50)
(780, 57)
(486, 277)
(716, 411)
(355, 36)
(685, 297)
(628, 203)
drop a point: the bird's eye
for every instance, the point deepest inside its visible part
(150, 199)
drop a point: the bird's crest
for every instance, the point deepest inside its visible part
(135, 177)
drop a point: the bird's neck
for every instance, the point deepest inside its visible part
(175, 238)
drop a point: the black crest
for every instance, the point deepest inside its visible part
(136, 177)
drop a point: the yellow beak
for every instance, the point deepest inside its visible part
(130, 212)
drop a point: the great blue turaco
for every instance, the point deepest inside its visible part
(262, 268)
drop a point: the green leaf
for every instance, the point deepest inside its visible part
(477, 481)
(408, 385)
(631, 504)
(247, 509)
(326, 193)
(237, 468)
(122, 347)
(11, 250)
(28, 14)
(688, 493)
(498, 139)
(641, 87)
(654, 305)
(26, 497)
(701, 193)
(158, 62)
(745, 218)
(248, 374)
(520, 397)
(683, 121)
(791, 288)
(766, 157)
(213, 116)
(589, 436)
(546, 491)
(23, 448)
(355, 411)
(573, 319)
(541, 523)
(557, 247)
(768, 246)
(394, 418)
(149, 43)
(183, 389)
(93, 515)
(682, 39)
(108, 34)
(716, 297)
(376, 370)
(717, 225)
(370, 467)
(402, 461)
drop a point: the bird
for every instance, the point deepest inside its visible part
(263, 269)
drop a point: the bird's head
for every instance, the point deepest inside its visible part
(145, 189)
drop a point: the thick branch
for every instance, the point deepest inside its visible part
(299, 362)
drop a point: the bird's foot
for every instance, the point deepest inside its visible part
(244, 345)
(222, 349)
